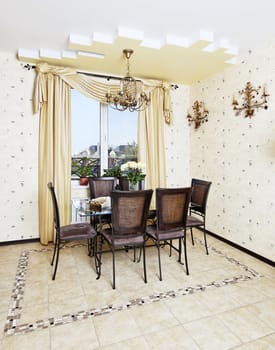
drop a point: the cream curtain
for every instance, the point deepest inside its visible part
(52, 99)
(151, 137)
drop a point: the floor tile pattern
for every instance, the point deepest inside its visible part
(13, 326)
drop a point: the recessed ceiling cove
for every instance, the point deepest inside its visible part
(182, 60)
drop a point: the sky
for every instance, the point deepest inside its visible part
(85, 124)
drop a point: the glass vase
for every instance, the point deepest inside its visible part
(133, 186)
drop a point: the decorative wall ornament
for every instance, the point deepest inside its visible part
(131, 95)
(250, 103)
(199, 114)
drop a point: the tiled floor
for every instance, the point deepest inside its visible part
(227, 301)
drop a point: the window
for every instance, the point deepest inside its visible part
(105, 136)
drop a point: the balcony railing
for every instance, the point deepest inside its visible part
(95, 166)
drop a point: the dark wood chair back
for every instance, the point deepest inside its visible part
(129, 211)
(200, 191)
(172, 207)
(101, 186)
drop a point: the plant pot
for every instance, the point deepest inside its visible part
(83, 181)
(133, 186)
(124, 184)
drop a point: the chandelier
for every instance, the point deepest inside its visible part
(131, 94)
(199, 115)
(249, 100)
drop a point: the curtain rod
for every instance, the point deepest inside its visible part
(108, 77)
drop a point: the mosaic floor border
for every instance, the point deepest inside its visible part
(14, 313)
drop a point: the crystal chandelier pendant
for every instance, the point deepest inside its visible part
(131, 95)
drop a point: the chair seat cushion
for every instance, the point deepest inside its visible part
(193, 221)
(164, 235)
(77, 231)
(123, 240)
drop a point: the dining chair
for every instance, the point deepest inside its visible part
(128, 229)
(71, 232)
(101, 187)
(197, 208)
(171, 215)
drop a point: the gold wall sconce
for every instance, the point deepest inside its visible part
(250, 103)
(199, 114)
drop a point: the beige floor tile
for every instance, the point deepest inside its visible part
(171, 339)
(36, 291)
(59, 290)
(77, 335)
(65, 306)
(265, 310)
(3, 318)
(244, 324)
(34, 312)
(115, 327)
(138, 343)
(210, 333)
(156, 325)
(265, 343)
(247, 295)
(187, 308)
(264, 285)
(39, 339)
(219, 299)
(5, 298)
(153, 317)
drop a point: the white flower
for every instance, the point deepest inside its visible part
(132, 165)
(134, 171)
(124, 166)
(142, 167)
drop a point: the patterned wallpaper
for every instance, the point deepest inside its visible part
(177, 140)
(238, 155)
(18, 152)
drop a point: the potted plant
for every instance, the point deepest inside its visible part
(135, 174)
(84, 171)
(115, 171)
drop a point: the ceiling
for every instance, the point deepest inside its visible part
(176, 41)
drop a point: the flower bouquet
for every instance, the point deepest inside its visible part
(135, 173)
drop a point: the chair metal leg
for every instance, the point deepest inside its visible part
(180, 251)
(160, 274)
(192, 238)
(139, 256)
(205, 242)
(54, 251)
(114, 268)
(91, 246)
(57, 258)
(170, 252)
(185, 254)
(98, 242)
(144, 265)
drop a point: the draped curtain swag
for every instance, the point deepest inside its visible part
(52, 100)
